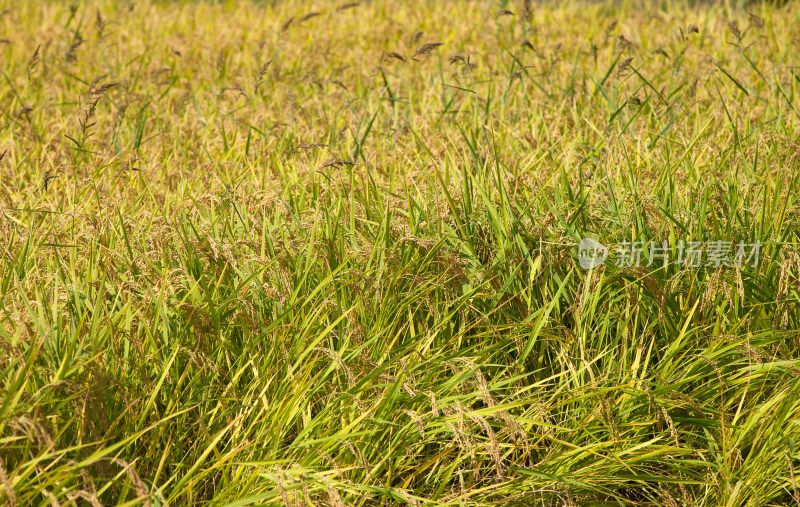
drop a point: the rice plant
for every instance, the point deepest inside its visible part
(399, 253)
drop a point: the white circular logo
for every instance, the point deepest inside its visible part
(591, 253)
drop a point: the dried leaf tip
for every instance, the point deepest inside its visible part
(624, 65)
(309, 16)
(395, 55)
(426, 48)
(734, 28)
(337, 162)
(459, 59)
(258, 75)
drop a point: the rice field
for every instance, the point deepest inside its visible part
(378, 253)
